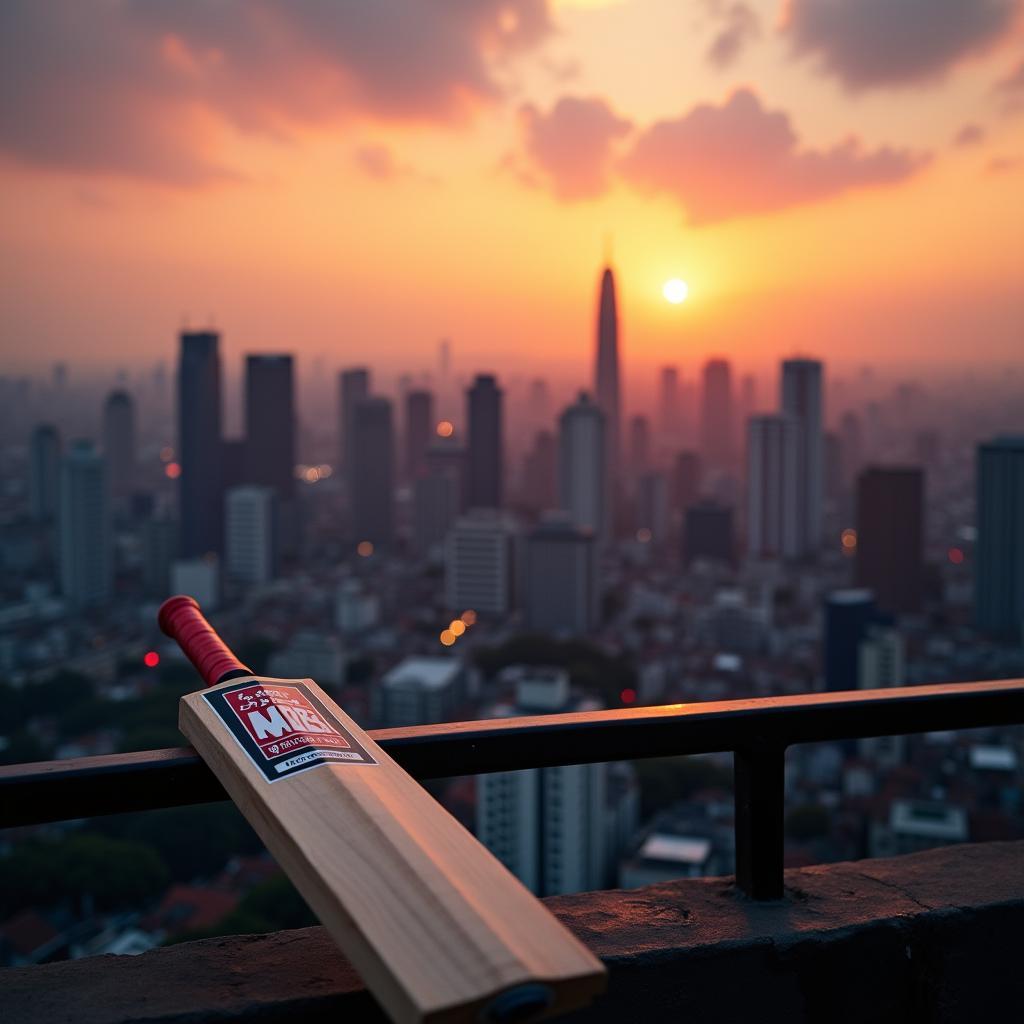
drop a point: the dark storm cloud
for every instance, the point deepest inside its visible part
(872, 43)
(726, 161)
(140, 87)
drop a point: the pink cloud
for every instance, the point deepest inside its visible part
(142, 89)
(739, 158)
(571, 144)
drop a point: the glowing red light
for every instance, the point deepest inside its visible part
(151, 659)
(628, 695)
(172, 470)
(956, 556)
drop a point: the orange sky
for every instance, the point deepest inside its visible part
(360, 190)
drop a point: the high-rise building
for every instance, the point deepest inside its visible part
(485, 446)
(200, 455)
(717, 446)
(540, 473)
(85, 551)
(850, 615)
(999, 573)
(119, 443)
(44, 473)
(353, 387)
(669, 414)
(270, 423)
(372, 472)
(549, 826)
(250, 534)
(480, 563)
(708, 534)
(560, 586)
(651, 513)
(583, 484)
(639, 446)
(435, 506)
(606, 375)
(801, 399)
(419, 432)
(420, 691)
(159, 551)
(772, 457)
(685, 488)
(890, 537)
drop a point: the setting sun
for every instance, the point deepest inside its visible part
(675, 291)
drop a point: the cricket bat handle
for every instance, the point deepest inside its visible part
(183, 621)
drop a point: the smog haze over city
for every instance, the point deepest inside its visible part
(482, 360)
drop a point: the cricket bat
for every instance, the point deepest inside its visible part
(438, 928)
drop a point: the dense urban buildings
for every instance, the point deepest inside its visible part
(509, 550)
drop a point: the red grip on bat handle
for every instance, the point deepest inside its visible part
(183, 621)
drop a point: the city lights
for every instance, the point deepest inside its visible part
(364, 548)
(151, 659)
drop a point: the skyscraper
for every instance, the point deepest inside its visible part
(772, 456)
(560, 588)
(606, 375)
(44, 473)
(119, 443)
(639, 446)
(419, 432)
(669, 418)
(708, 534)
(716, 417)
(249, 539)
(583, 486)
(353, 387)
(800, 398)
(999, 575)
(485, 454)
(686, 479)
(550, 826)
(480, 563)
(86, 562)
(849, 617)
(540, 473)
(270, 423)
(201, 485)
(372, 472)
(890, 537)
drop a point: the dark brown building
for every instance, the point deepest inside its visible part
(890, 536)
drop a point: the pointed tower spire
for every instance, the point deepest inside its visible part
(606, 385)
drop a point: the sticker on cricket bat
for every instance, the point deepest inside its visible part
(284, 729)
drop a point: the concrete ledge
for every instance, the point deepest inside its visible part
(930, 937)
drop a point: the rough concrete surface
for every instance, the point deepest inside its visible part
(933, 937)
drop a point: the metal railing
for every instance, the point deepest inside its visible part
(756, 731)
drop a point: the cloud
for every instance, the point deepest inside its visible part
(146, 88)
(876, 43)
(1014, 81)
(571, 145)
(727, 161)
(739, 25)
(378, 162)
(1002, 164)
(969, 135)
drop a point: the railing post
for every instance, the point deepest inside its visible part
(759, 780)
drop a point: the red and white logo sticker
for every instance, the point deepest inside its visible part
(284, 729)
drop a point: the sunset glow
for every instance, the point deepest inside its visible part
(275, 180)
(675, 291)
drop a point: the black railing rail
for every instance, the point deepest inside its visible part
(757, 731)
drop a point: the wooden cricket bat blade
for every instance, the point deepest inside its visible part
(438, 928)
